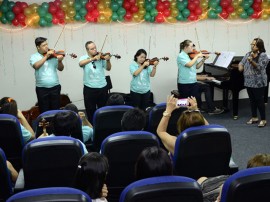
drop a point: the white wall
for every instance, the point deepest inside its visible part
(17, 77)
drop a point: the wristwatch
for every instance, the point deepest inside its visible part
(166, 114)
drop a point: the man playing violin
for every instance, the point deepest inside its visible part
(47, 83)
(95, 90)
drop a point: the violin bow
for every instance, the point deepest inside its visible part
(103, 43)
(149, 47)
(197, 39)
(59, 36)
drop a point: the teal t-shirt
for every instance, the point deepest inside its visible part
(186, 75)
(26, 134)
(94, 77)
(87, 133)
(141, 82)
(46, 75)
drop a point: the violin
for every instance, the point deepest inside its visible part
(205, 52)
(60, 52)
(153, 60)
(103, 55)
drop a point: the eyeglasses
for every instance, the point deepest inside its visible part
(252, 44)
(190, 111)
(94, 65)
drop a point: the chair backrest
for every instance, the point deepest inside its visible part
(51, 161)
(106, 121)
(5, 182)
(156, 114)
(122, 150)
(202, 151)
(160, 189)
(11, 140)
(249, 185)
(51, 194)
(48, 116)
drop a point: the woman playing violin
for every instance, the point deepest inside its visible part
(47, 83)
(187, 82)
(141, 71)
(95, 86)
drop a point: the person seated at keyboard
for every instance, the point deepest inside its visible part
(205, 88)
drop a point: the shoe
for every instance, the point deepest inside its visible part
(252, 121)
(216, 111)
(262, 123)
(235, 117)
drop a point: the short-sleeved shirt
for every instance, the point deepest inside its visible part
(255, 77)
(94, 77)
(186, 75)
(141, 82)
(46, 75)
(87, 133)
(26, 134)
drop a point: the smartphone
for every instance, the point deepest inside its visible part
(183, 102)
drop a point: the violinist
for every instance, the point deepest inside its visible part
(95, 90)
(47, 83)
(254, 66)
(187, 82)
(141, 71)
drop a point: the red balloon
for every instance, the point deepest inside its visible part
(257, 7)
(196, 3)
(159, 18)
(134, 9)
(192, 17)
(198, 11)
(258, 1)
(57, 3)
(132, 2)
(15, 22)
(52, 9)
(95, 2)
(160, 7)
(21, 17)
(60, 14)
(126, 5)
(166, 4)
(128, 16)
(224, 14)
(16, 9)
(224, 3)
(22, 24)
(62, 21)
(55, 20)
(256, 15)
(89, 6)
(191, 6)
(88, 17)
(167, 13)
(24, 5)
(95, 13)
(230, 9)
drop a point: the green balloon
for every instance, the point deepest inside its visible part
(213, 3)
(250, 11)
(41, 12)
(244, 15)
(114, 16)
(185, 2)
(121, 12)
(9, 15)
(42, 22)
(152, 19)
(77, 17)
(185, 13)
(180, 6)
(114, 6)
(148, 7)
(45, 5)
(180, 17)
(218, 9)
(212, 14)
(48, 17)
(121, 18)
(49, 24)
(82, 11)
(4, 20)
(147, 17)
(77, 6)
(245, 5)
(251, 2)
(4, 8)
(11, 4)
(120, 3)
(154, 3)
(153, 12)
(83, 2)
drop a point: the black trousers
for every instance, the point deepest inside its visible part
(206, 89)
(256, 98)
(140, 100)
(48, 98)
(94, 98)
(187, 90)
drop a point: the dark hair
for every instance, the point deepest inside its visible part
(138, 53)
(71, 107)
(259, 160)
(87, 43)
(133, 119)
(65, 123)
(40, 40)
(152, 162)
(91, 174)
(184, 44)
(260, 45)
(115, 99)
(8, 106)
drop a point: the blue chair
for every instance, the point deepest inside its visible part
(106, 121)
(249, 185)
(52, 194)
(49, 161)
(11, 140)
(122, 150)
(160, 189)
(5, 178)
(202, 151)
(48, 116)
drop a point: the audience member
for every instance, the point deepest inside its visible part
(9, 106)
(13, 172)
(133, 119)
(91, 175)
(190, 117)
(87, 128)
(115, 99)
(153, 162)
(64, 124)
